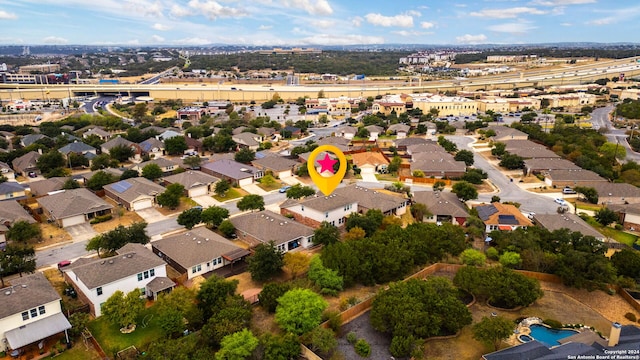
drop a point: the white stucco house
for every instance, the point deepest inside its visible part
(312, 211)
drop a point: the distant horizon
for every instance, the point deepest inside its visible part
(314, 23)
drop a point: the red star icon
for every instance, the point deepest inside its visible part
(327, 164)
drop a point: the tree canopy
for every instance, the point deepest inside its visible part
(266, 262)
(300, 310)
(492, 330)
(251, 202)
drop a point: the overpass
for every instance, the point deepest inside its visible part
(245, 93)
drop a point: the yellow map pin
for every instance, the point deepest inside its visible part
(326, 184)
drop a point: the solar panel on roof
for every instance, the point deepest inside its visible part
(121, 186)
(507, 219)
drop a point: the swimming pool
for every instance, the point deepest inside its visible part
(524, 338)
(548, 336)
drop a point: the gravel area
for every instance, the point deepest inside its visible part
(379, 342)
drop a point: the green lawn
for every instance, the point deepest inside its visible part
(112, 340)
(274, 186)
(188, 201)
(79, 352)
(617, 235)
(386, 177)
(233, 193)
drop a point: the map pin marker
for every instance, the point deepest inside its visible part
(329, 183)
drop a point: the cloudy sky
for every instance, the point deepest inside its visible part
(316, 22)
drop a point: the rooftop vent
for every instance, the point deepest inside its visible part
(8, 292)
(110, 261)
(199, 242)
(24, 286)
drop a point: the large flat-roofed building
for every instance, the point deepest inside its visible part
(446, 105)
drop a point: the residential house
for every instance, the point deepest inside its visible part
(99, 132)
(279, 166)
(196, 183)
(347, 132)
(504, 133)
(536, 166)
(234, 172)
(238, 130)
(264, 226)
(194, 146)
(199, 251)
(314, 210)
(571, 178)
(31, 312)
(399, 130)
(167, 134)
(442, 206)
(294, 131)
(115, 172)
(26, 163)
(7, 171)
(120, 141)
(11, 190)
(152, 147)
(402, 144)
(374, 131)
(134, 193)
(428, 147)
(527, 149)
(11, 212)
(505, 217)
(370, 162)
(568, 221)
(44, 187)
(628, 214)
(77, 148)
(267, 133)
(96, 279)
(340, 142)
(73, 207)
(616, 193)
(247, 140)
(167, 166)
(31, 139)
(438, 165)
(388, 202)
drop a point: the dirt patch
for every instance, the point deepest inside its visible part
(57, 280)
(485, 187)
(126, 219)
(51, 235)
(184, 205)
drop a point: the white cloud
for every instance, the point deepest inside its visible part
(55, 40)
(471, 39)
(427, 25)
(414, 13)
(213, 10)
(144, 7)
(161, 27)
(328, 39)
(157, 39)
(407, 33)
(7, 15)
(513, 28)
(507, 13)
(461, 5)
(265, 27)
(603, 21)
(323, 24)
(192, 41)
(317, 7)
(357, 21)
(561, 2)
(566, 24)
(387, 21)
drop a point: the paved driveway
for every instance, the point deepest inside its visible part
(206, 201)
(369, 177)
(81, 232)
(290, 180)
(254, 189)
(150, 215)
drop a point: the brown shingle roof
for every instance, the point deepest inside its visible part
(320, 203)
(73, 202)
(42, 187)
(569, 221)
(369, 157)
(371, 199)
(11, 211)
(269, 226)
(274, 163)
(134, 188)
(191, 178)
(25, 161)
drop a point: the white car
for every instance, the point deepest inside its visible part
(561, 201)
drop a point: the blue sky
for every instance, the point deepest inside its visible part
(316, 22)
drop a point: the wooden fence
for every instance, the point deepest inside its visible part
(423, 180)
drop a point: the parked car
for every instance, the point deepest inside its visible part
(560, 201)
(284, 189)
(568, 190)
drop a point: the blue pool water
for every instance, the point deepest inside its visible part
(549, 337)
(525, 338)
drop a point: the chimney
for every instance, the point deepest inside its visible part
(39, 151)
(614, 337)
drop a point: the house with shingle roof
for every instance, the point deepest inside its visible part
(113, 171)
(264, 226)
(616, 193)
(314, 210)
(442, 206)
(279, 166)
(11, 212)
(95, 280)
(168, 134)
(152, 147)
(11, 190)
(120, 141)
(536, 166)
(196, 183)
(388, 202)
(198, 251)
(370, 162)
(31, 311)
(167, 166)
(99, 132)
(572, 178)
(31, 139)
(73, 207)
(527, 149)
(504, 133)
(428, 147)
(234, 172)
(347, 132)
(136, 193)
(43, 187)
(568, 221)
(77, 148)
(374, 131)
(399, 130)
(7, 171)
(438, 165)
(26, 163)
(339, 142)
(628, 214)
(247, 140)
(402, 144)
(505, 217)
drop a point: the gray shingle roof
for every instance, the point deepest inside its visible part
(246, 138)
(190, 179)
(569, 221)
(42, 187)
(275, 163)
(151, 143)
(11, 211)
(117, 141)
(9, 187)
(26, 293)
(231, 169)
(100, 272)
(26, 161)
(550, 164)
(620, 190)
(268, 226)
(134, 188)
(32, 138)
(320, 203)
(411, 141)
(441, 203)
(73, 202)
(97, 131)
(194, 247)
(574, 175)
(399, 128)
(371, 199)
(161, 162)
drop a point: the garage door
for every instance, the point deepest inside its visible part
(199, 191)
(368, 170)
(245, 182)
(75, 220)
(142, 204)
(284, 174)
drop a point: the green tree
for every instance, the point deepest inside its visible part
(17, 259)
(510, 259)
(100, 179)
(50, 160)
(268, 180)
(511, 161)
(266, 262)
(326, 234)
(606, 216)
(589, 193)
(79, 321)
(77, 160)
(473, 257)
(174, 307)
(499, 149)
(175, 145)
(237, 346)
(115, 239)
(139, 111)
(326, 279)
(128, 174)
(300, 310)
(281, 347)
(70, 184)
(296, 263)
(121, 153)
(271, 292)
(151, 171)
(492, 330)
(190, 217)
(233, 316)
(226, 228)
(171, 196)
(219, 143)
(101, 161)
(122, 310)
(213, 216)
(464, 191)
(245, 156)
(322, 340)
(213, 293)
(222, 187)
(298, 191)
(439, 185)
(627, 262)
(466, 156)
(611, 151)
(23, 231)
(474, 176)
(193, 162)
(394, 165)
(251, 202)
(370, 222)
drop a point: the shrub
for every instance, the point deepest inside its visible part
(100, 219)
(492, 253)
(362, 348)
(352, 338)
(554, 324)
(334, 320)
(401, 346)
(630, 316)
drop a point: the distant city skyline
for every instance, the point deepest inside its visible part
(316, 22)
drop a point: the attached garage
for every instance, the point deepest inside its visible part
(73, 220)
(245, 182)
(198, 191)
(141, 204)
(368, 169)
(284, 174)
